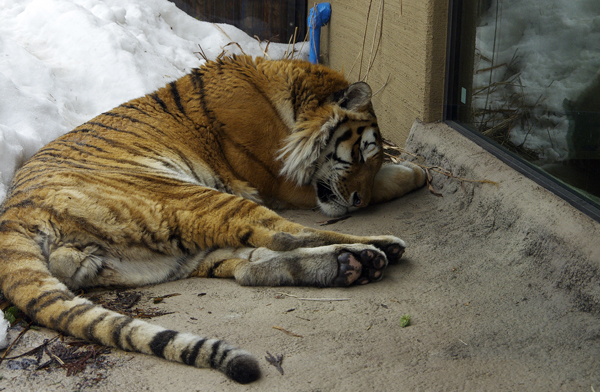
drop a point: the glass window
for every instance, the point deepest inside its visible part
(525, 74)
(269, 20)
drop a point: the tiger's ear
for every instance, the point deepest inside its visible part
(354, 97)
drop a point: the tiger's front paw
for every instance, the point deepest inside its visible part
(393, 247)
(419, 174)
(360, 266)
(396, 180)
(394, 252)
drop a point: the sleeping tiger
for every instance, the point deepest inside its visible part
(176, 183)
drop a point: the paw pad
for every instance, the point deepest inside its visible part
(349, 270)
(360, 268)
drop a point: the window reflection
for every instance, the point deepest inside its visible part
(536, 83)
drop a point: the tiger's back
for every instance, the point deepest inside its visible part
(166, 186)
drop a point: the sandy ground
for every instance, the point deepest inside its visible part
(501, 282)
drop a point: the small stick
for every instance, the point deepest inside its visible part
(324, 299)
(265, 54)
(354, 63)
(362, 52)
(288, 332)
(57, 359)
(440, 170)
(382, 87)
(201, 53)
(15, 341)
(302, 46)
(286, 55)
(160, 299)
(292, 44)
(315, 299)
(334, 220)
(236, 44)
(373, 55)
(35, 350)
(222, 31)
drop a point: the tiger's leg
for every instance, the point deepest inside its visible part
(28, 283)
(242, 223)
(393, 181)
(324, 266)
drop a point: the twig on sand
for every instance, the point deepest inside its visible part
(35, 350)
(286, 331)
(162, 297)
(15, 341)
(334, 220)
(445, 172)
(315, 299)
(56, 358)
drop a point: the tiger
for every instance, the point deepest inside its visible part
(185, 182)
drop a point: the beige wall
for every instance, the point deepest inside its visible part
(411, 53)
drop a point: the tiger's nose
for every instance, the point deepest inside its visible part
(357, 201)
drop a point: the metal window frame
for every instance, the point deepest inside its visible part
(517, 163)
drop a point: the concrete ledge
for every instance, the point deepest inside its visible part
(528, 223)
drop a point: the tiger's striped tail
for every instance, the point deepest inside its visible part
(26, 282)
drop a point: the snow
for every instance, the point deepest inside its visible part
(4, 324)
(62, 62)
(554, 48)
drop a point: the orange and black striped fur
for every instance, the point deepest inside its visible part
(170, 185)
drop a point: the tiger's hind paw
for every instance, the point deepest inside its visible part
(360, 267)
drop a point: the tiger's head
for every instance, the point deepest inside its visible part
(336, 148)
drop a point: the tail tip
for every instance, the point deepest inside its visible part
(243, 369)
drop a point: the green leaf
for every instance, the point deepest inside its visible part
(405, 320)
(10, 314)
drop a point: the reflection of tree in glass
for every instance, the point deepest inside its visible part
(530, 56)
